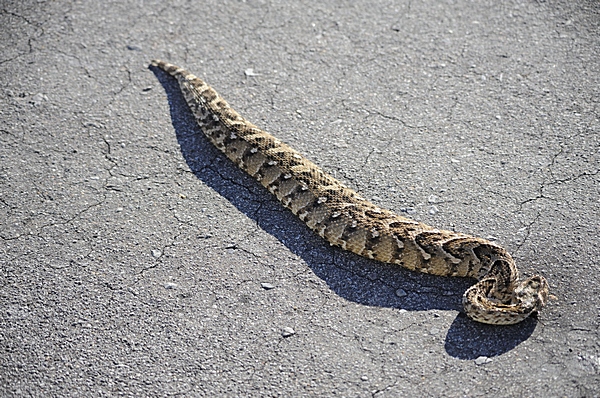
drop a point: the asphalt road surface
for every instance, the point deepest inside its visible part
(136, 260)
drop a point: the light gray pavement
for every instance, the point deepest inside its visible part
(135, 260)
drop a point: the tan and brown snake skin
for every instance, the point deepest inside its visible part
(345, 219)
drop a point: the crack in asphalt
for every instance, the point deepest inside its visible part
(527, 229)
(29, 40)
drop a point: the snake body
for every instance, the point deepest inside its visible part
(345, 219)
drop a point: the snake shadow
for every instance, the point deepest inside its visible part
(352, 277)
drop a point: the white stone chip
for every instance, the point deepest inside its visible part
(482, 360)
(288, 331)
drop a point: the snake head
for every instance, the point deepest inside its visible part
(533, 292)
(528, 298)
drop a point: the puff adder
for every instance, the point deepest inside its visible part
(345, 219)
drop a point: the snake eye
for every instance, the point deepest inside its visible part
(534, 284)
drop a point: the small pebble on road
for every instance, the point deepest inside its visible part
(288, 331)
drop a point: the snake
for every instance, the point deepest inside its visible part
(346, 219)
